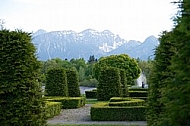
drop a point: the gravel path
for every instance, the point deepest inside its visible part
(82, 116)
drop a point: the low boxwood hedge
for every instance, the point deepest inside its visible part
(138, 89)
(52, 109)
(104, 112)
(91, 94)
(118, 101)
(138, 93)
(68, 102)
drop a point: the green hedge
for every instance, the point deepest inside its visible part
(103, 112)
(124, 88)
(73, 83)
(118, 101)
(91, 94)
(109, 84)
(138, 89)
(138, 94)
(68, 102)
(21, 101)
(56, 82)
(52, 109)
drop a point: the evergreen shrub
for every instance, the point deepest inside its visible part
(138, 93)
(124, 88)
(73, 83)
(109, 84)
(56, 82)
(103, 112)
(91, 94)
(52, 109)
(68, 102)
(21, 101)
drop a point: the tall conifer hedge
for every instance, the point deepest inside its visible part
(109, 84)
(56, 82)
(73, 83)
(21, 101)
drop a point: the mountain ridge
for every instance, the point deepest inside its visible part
(70, 44)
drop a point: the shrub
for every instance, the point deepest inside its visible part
(118, 101)
(21, 101)
(138, 93)
(52, 109)
(124, 88)
(109, 84)
(73, 83)
(56, 84)
(103, 112)
(68, 102)
(91, 94)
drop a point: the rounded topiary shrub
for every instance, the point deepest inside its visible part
(109, 84)
(56, 82)
(21, 101)
(73, 83)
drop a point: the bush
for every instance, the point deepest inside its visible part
(118, 101)
(138, 93)
(73, 83)
(138, 89)
(21, 101)
(68, 102)
(56, 84)
(52, 109)
(109, 84)
(91, 94)
(124, 88)
(103, 112)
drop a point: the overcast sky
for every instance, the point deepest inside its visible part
(130, 19)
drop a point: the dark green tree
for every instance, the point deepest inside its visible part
(178, 91)
(122, 61)
(21, 101)
(161, 73)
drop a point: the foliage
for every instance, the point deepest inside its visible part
(89, 83)
(68, 102)
(52, 109)
(73, 83)
(170, 87)
(121, 61)
(20, 93)
(109, 83)
(124, 88)
(103, 112)
(56, 84)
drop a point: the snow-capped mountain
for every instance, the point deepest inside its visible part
(70, 44)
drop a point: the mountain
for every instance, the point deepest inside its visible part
(70, 44)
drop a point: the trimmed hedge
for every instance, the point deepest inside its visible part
(52, 109)
(138, 89)
(118, 101)
(124, 88)
(138, 94)
(68, 102)
(91, 94)
(73, 83)
(56, 82)
(109, 84)
(103, 112)
(21, 101)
